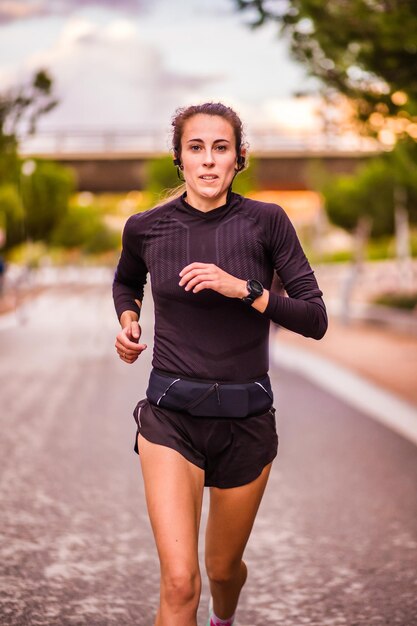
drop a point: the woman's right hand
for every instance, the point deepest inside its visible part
(127, 341)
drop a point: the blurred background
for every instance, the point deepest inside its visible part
(328, 96)
(87, 94)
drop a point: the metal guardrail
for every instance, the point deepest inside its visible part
(61, 141)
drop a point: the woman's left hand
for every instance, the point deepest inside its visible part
(198, 276)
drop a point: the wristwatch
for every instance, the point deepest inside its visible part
(255, 290)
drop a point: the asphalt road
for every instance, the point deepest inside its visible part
(335, 542)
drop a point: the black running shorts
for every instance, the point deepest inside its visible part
(231, 451)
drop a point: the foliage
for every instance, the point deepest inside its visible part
(22, 106)
(246, 181)
(28, 253)
(407, 301)
(371, 191)
(12, 212)
(32, 203)
(413, 243)
(161, 175)
(339, 256)
(381, 248)
(102, 240)
(9, 159)
(20, 109)
(45, 195)
(364, 49)
(84, 227)
(117, 204)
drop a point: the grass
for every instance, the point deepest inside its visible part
(404, 301)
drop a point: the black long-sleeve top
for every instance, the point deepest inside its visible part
(208, 335)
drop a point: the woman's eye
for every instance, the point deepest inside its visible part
(195, 148)
(221, 148)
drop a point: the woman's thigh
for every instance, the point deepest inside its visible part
(174, 493)
(230, 520)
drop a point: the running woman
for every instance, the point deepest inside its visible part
(208, 418)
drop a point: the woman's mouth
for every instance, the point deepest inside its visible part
(208, 177)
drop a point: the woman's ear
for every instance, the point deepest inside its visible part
(241, 160)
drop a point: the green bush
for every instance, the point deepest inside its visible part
(12, 215)
(75, 228)
(161, 175)
(246, 181)
(46, 194)
(406, 301)
(339, 256)
(83, 227)
(102, 240)
(9, 160)
(413, 243)
(371, 191)
(29, 253)
(381, 248)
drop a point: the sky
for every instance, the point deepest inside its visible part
(130, 63)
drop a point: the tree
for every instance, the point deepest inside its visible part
(364, 49)
(45, 194)
(9, 159)
(161, 175)
(20, 109)
(370, 194)
(22, 106)
(30, 205)
(84, 227)
(11, 214)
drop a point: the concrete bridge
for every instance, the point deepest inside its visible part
(106, 160)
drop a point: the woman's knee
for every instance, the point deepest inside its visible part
(221, 571)
(180, 587)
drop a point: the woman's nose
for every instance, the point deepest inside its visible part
(208, 158)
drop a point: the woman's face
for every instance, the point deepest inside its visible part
(208, 155)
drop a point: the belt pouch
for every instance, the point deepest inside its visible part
(210, 399)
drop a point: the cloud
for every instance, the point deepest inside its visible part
(13, 10)
(114, 70)
(107, 77)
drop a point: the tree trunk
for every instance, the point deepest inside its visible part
(402, 239)
(362, 231)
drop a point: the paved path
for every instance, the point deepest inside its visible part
(380, 355)
(335, 542)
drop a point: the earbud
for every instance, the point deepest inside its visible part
(179, 166)
(240, 162)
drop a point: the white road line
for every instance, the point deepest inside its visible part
(364, 395)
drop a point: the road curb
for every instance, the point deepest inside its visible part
(376, 402)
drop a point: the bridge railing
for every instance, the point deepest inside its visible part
(156, 141)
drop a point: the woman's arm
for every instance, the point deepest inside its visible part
(305, 315)
(303, 311)
(131, 272)
(128, 286)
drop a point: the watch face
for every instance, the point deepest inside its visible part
(256, 288)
